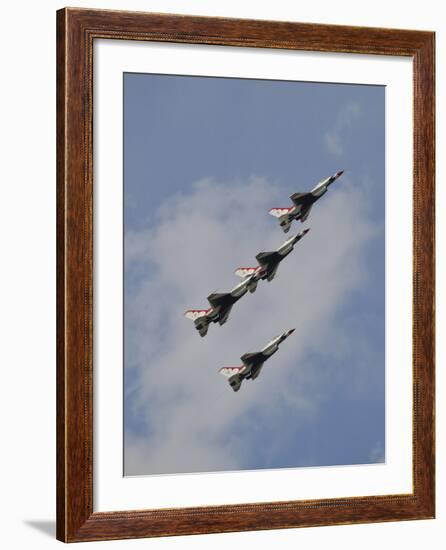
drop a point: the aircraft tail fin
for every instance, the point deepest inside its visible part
(202, 326)
(243, 272)
(231, 371)
(198, 316)
(233, 376)
(194, 314)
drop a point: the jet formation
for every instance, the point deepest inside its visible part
(252, 362)
(221, 303)
(268, 262)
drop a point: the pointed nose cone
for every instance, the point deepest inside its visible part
(300, 235)
(334, 177)
(290, 332)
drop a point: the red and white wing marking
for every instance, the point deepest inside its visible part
(230, 371)
(195, 313)
(245, 271)
(279, 212)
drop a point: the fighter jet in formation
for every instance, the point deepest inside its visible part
(303, 203)
(268, 263)
(252, 362)
(221, 305)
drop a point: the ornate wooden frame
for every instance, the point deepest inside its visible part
(76, 31)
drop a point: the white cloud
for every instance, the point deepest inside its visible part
(190, 417)
(334, 138)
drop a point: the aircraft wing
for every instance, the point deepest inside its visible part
(224, 314)
(299, 198)
(305, 213)
(216, 298)
(265, 258)
(272, 273)
(249, 359)
(256, 372)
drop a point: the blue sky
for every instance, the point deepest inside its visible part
(204, 160)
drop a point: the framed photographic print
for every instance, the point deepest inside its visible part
(245, 275)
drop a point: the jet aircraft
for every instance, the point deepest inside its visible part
(252, 362)
(221, 305)
(268, 263)
(303, 203)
